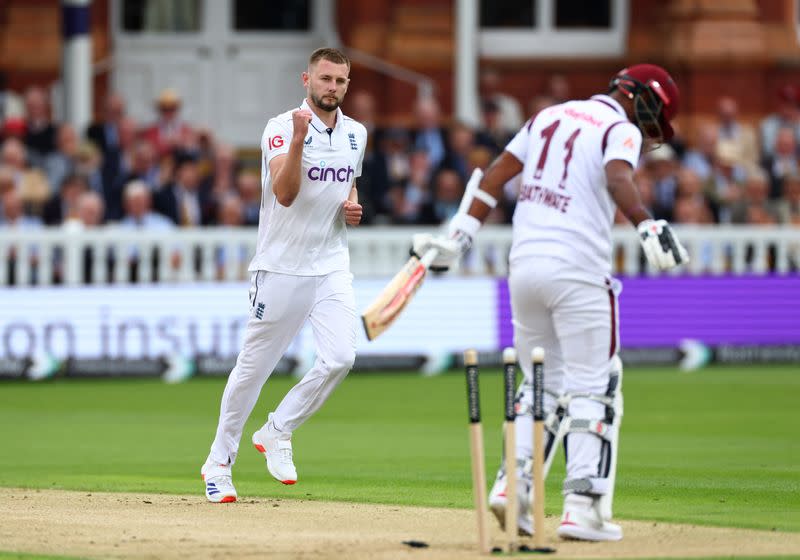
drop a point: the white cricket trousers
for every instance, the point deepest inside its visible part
(574, 318)
(280, 306)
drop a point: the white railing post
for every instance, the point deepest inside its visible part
(377, 252)
(73, 261)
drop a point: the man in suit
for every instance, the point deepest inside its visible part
(109, 136)
(184, 201)
(105, 133)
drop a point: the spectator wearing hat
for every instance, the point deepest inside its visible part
(169, 131)
(787, 115)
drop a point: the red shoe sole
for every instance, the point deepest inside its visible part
(260, 449)
(228, 499)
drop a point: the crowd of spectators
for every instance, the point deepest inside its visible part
(168, 173)
(163, 174)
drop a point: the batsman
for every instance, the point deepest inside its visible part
(577, 161)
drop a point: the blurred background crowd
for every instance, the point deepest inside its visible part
(170, 173)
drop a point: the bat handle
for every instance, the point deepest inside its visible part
(428, 257)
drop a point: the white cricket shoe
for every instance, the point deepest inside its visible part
(219, 483)
(582, 521)
(498, 501)
(278, 453)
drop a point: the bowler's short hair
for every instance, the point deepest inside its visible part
(327, 53)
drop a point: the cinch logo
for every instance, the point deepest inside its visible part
(322, 173)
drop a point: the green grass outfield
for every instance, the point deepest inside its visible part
(718, 447)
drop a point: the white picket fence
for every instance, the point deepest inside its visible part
(113, 255)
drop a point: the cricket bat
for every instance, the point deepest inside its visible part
(385, 309)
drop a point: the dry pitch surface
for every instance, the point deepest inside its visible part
(111, 525)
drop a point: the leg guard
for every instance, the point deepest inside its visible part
(555, 411)
(607, 429)
(524, 434)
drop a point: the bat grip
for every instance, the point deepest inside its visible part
(428, 257)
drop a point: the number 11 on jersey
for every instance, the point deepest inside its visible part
(547, 134)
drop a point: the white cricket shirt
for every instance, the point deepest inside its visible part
(564, 208)
(309, 238)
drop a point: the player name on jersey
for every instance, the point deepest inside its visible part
(544, 196)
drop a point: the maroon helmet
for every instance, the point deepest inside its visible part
(655, 98)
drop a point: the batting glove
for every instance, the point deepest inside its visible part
(449, 249)
(661, 247)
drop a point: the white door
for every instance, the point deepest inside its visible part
(235, 63)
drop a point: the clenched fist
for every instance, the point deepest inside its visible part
(352, 213)
(300, 120)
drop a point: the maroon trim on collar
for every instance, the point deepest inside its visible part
(605, 103)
